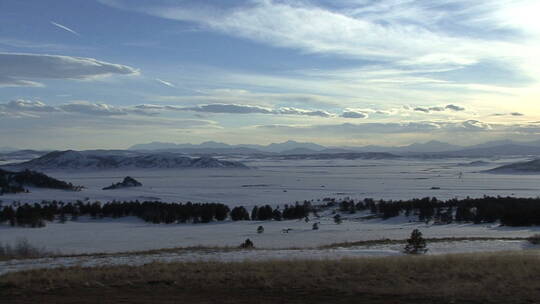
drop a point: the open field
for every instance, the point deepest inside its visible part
(279, 182)
(471, 278)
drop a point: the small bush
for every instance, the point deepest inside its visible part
(247, 244)
(22, 249)
(534, 239)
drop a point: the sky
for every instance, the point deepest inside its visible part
(85, 74)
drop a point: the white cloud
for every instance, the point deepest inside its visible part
(450, 107)
(21, 105)
(65, 28)
(225, 108)
(166, 83)
(296, 111)
(220, 108)
(454, 107)
(409, 32)
(101, 109)
(475, 125)
(354, 114)
(17, 68)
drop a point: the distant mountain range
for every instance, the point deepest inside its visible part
(240, 149)
(432, 148)
(103, 159)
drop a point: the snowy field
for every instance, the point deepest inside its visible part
(278, 182)
(132, 234)
(275, 183)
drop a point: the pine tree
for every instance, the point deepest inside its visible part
(247, 244)
(416, 244)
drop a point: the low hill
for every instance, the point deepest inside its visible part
(128, 182)
(531, 167)
(14, 182)
(96, 160)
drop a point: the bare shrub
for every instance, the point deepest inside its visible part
(534, 239)
(22, 249)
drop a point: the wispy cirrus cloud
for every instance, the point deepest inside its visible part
(65, 28)
(165, 83)
(410, 32)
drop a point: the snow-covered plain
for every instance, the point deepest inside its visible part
(132, 234)
(278, 182)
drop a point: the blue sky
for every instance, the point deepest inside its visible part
(112, 73)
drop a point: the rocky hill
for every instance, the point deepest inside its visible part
(128, 182)
(14, 182)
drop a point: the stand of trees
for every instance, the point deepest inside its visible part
(509, 211)
(36, 215)
(14, 182)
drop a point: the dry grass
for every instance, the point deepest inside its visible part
(22, 249)
(428, 240)
(471, 278)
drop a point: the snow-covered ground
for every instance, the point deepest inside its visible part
(260, 255)
(278, 182)
(132, 234)
(272, 182)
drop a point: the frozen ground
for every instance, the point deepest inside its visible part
(260, 255)
(278, 182)
(132, 234)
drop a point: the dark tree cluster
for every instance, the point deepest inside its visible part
(509, 211)
(35, 215)
(14, 182)
(266, 213)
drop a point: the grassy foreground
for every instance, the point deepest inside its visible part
(471, 278)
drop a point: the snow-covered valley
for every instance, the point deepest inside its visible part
(278, 182)
(274, 182)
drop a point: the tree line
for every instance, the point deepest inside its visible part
(509, 211)
(37, 214)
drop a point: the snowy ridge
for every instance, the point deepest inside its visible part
(59, 160)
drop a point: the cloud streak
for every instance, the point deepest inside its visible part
(165, 83)
(449, 107)
(18, 68)
(65, 28)
(220, 108)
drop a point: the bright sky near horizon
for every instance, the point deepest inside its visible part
(111, 73)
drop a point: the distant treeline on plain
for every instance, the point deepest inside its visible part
(508, 211)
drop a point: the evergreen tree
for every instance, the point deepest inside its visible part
(239, 214)
(255, 213)
(247, 244)
(416, 244)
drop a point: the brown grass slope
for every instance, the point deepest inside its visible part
(479, 278)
